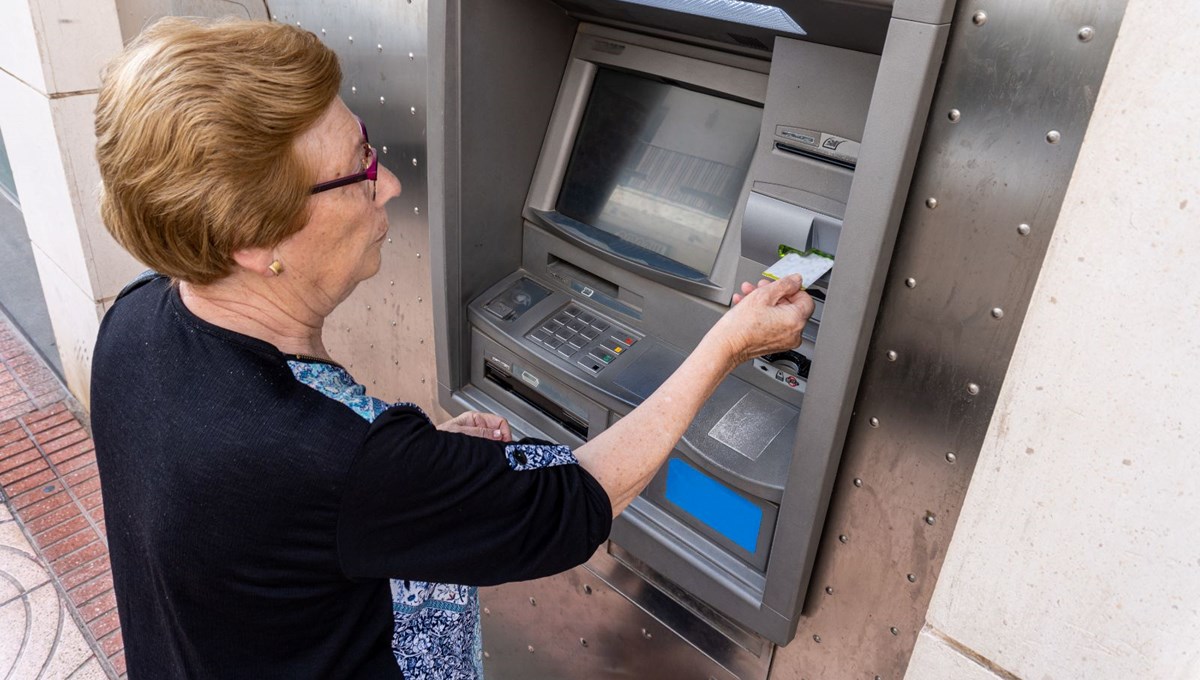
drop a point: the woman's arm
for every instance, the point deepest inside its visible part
(625, 457)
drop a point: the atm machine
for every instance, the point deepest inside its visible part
(603, 176)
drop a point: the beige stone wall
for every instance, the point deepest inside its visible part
(1077, 552)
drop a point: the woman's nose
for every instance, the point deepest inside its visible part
(389, 186)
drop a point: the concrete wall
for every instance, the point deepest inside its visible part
(50, 59)
(1077, 553)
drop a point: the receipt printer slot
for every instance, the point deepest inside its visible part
(528, 394)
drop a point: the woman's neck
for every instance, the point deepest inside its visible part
(279, 315)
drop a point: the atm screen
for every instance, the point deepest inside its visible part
(659, 166)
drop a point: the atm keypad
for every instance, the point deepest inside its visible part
(569, 331)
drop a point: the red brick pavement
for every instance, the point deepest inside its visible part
(50, 482)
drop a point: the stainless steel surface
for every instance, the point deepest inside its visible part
(592, 622)
(134, 15)
(1022, 73)
(379, 332)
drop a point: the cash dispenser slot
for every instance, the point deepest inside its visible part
(520, 388)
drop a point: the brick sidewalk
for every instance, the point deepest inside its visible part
(50, 483)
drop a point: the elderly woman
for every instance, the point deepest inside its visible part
(258, 500)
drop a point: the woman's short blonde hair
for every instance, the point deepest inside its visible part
(196, 128)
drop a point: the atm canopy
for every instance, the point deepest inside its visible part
(859, 25)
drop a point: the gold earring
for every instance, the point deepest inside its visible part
(276, 267)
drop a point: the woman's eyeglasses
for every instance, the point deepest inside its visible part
(370, 161)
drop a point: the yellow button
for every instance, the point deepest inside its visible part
(618, 350)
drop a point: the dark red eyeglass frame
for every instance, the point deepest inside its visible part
(371, 174)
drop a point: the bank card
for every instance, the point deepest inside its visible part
(810, 265)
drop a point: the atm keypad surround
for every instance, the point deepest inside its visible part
(578, 335)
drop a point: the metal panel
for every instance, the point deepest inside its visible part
(384, 332)
(134, 15)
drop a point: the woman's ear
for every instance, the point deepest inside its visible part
(257, 260)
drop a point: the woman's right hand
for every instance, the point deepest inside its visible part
(765, 318)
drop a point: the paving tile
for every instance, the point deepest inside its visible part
(44, 413)
(21, 472)
(35, 620)
(93, 608)
(64, 441)
(16, 460)
(43, 424)
(92, 501)
(33, 488)
(15, 411)
(14, 399)
(61, 531)
(87, 487)
(17, 442)
(91, 589)
(90, 670)
(78, 558)
(105, 624)
(18, 559)
(85, 572)
(53, 519)
(42, 507)
(70, 544)
(112, 643)
(118, 663)
(80, 475)
(72, 454)
(71, 652)
(50, 434)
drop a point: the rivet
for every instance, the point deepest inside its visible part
(930, 518)
(421, 341)
(972, 388)
(391, 283)
(412, 110)
(417, 210)
(912, 578)
(954, 115)
(895, 630)
(828, 590)
(274, 17)
(530, 648)
(488, 655)
(414, 162)
(379, 48)
(647, 634)
(878, 678)
(892, 355)
(1023, 229)
(389, 239)
(951, 457)
(393, 323)
(587, 589)
(910, 282)
(419, 299)
(980, 18)
(1053, 136)
(368, 307)
(858, 482)
(817, 639)
(382, 101)
(353, 89)
(997, 313)
(385, 150)
(351, 38)
(931, 203)
(411, 56)
(874, 422)
(582, 642)
(1086, 34)
(843, 538)
(532, 602)
(322, 31)
(298, 25)
(422, 381)
(418, 256)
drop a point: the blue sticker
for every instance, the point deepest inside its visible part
(714, 504)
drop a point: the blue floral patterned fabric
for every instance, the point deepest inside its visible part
(437, 634)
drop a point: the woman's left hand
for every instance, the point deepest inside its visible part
(476, 424)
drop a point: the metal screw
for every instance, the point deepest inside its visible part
(530, 648)
(487, 612)
(391, 283)
(647, 634)
(951, 458)
(421, 341)
(874, 422)
(322, 31)
(582, 642)
(416, 210)
(912, 578)
(587, 589)
(298, 25)
(954, 115)
(972, 389)
(353, 89)
(379, 48)
(382, 101)
(997, 313)
(1053, 136)
(892, 355)
(418, 298)
(414, 162)
(351, 38)
(532, 602)
(418, 256)
(930, 518)
(828, 590)
(389, 239)
(817, 639)
(895, 630)
(411, 56)
(393, 323)
(412, 110)
(1023, 229)
(1086, 34)
(843, 538)
(931, 203)
(858, 482)
(488, 655)
(980, 18)
(385, 150)
(910, 282)
(368, 307)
